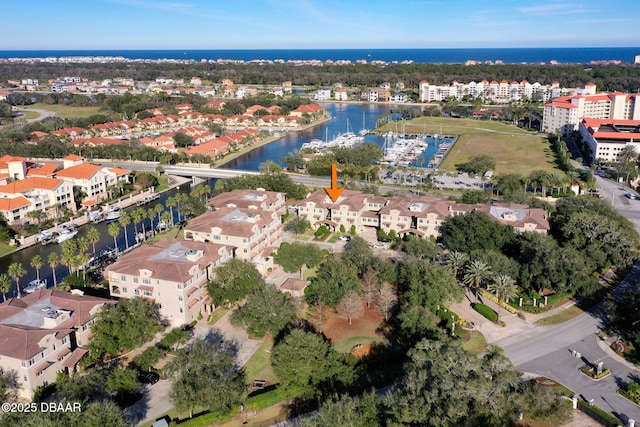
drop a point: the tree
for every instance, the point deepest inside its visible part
(333, 280)
(504, 287)
(420, 248)
(93, 236)
(475, 273)
(124, 220)
(478, 165)
(428, 284)
(182, 140)
(386, 300)
(149, 357)
(296, 255)
(305, 363)
(69, 250)
(267, 311)
(350, 305)
(114, 231)
(204, 375)
(5, 285)
(370, 286)
(170, 203)
(8, 384)
(297, 225)
(359, 253)
(269, 167)
(233, 281)
(37, 262)
(53, 261)
(362, 411)
(122, 381)
(16, 272)
(475, 230)
(456, 261)
(126, 325)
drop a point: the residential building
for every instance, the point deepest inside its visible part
(419, 216)
(249, 221)
(34, 194)
(44, 333)
(607, 139)
(172, 273)
(563, 114)
(93, 180)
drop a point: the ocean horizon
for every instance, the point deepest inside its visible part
(566, 55)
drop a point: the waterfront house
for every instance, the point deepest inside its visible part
(34, 194)
(44, 333)
(172, 273)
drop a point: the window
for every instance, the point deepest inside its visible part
(136, 292)
(147, 293)
(135, 280)
(124, 290)
(179, 297)
(23, 364)
(123, 278)
(146, 280)
(64, 340)
(32, 361)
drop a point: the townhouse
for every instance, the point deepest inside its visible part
(419, 216)
(93, 180)
(44, 333)
(563, 114)
(171, 273)
(39, 194)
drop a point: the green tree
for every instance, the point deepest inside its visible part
(53, 261)
(124, 326)
(363, 411)
(267, 311)
(305, 364)
(122, 381)
(93, 236)
(124, 220)
(114, 231)
(37, 262)
(475, 274)
(149, 357)
(504, 287)
(475, 230)
(333, 280)
(297, 225)
(204, 375)
(428, 284)
(358, 252)
(182, 140)
(296, 255)
(8, 384)
(5, 285)
(16, 272)
(456, 261)
(233, 281)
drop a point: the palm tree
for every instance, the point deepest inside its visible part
(37, 262)
(504, 287)
(166, 218)
(124, 220)
(16, 271)
(114, 230)
(475, 272)
(142, 214)
(158, 209)
(171, 202)
(5, 286)
(151, 214)
(93, 235)
(53, 263)
(136, 217)
(455, 261)
(69, 250)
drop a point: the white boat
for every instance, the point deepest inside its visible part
(46, 236)
(96, 216)
(113, 213)
(66, 232)
(34, 285)
(161, 226)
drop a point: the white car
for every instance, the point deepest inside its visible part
(345, 238)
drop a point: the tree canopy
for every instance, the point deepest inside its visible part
(233, 281)
(267, 311)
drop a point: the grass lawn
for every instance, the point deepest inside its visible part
(346, 345)
(563, 316)
(217, 314)
(65, 111)
(28, 115)
(5, 249)
(515, 150)
(258, 367)
(475, 344)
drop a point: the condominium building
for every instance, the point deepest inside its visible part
(44, 333)
(491, 91)
(22, 196)
(172, 273)
(93, 180)
(607, 139)
(419, 216)
(563, 114)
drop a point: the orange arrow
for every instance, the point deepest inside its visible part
(334, 192)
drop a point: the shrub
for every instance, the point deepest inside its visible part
(486, 311)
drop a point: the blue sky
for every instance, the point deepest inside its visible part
(316, 24)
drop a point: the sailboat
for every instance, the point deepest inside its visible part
(364, 130)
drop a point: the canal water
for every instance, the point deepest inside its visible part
(344, 117)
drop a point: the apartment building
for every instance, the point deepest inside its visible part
(172, 273)
(22, 196)
(563, 114)
(259, 199)
(93, 180)
(607, 139)
(44, 333)
(420, 216)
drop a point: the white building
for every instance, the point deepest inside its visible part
(607, 138)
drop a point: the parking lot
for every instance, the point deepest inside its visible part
(440, 180)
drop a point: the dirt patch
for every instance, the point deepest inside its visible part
(361, 350)
(337, 328)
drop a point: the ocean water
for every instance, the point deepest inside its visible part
(579, 55)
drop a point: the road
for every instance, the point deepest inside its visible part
(43, 113)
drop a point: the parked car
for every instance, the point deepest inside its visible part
(148, 377)
(345, 238)
(384, 239)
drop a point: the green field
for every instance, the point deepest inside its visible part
(65, 111)
(515, 150)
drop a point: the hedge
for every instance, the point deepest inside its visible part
(486, 311)
(599, 414)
